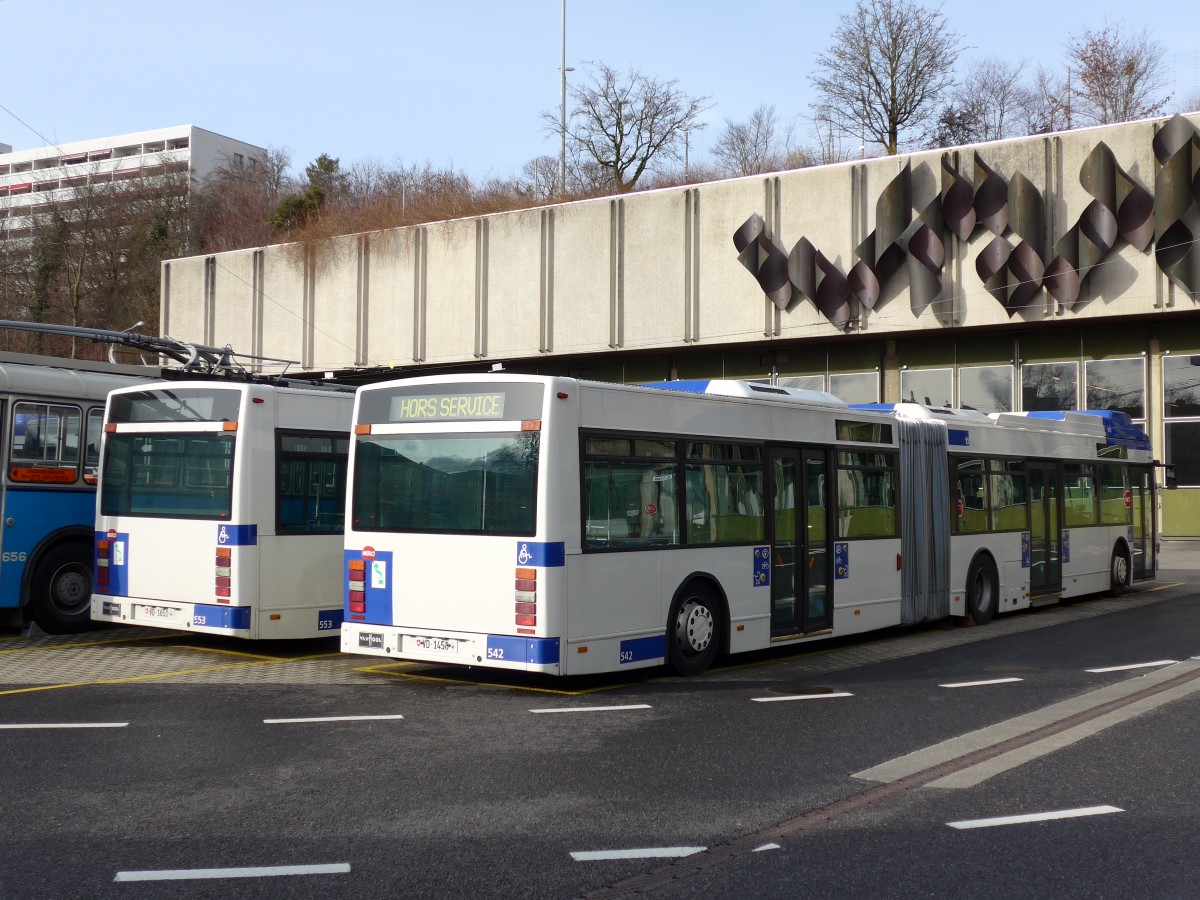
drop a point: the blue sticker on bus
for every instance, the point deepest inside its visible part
(528, 651)
(1026, 552)
(762, 567)
(330, 619)
(841, 560)
(958, 437)
(640, 649)
(1066, 546)
(237, 535)
(234, 618)
(536, 553)
(376, 580)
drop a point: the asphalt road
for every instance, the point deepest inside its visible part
(455, 783)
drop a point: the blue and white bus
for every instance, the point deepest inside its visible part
(51, 411)
(568, 527)
(220, 508)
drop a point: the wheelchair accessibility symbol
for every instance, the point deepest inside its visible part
(523, 555)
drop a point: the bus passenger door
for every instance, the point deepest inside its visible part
(800, 557)
(1045, 563)
(1141, 498)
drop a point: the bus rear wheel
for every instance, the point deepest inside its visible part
(983, 589)
(694, 630)
(61, 590)
(1118, 571)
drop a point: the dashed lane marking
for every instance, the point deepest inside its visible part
(829, 696)
(583, 709)
(1129, 668)
(329, 719)
(1036, 817)
(966, 684)
(643, 853)
(244, 872)
(36, 725)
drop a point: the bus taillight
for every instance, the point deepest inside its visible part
(357, 597)
(526, 602)
(102, 566)
(223, 583)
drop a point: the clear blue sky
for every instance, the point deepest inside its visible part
(458, 83)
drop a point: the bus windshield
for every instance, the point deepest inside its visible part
(169, 475)
(461, 483)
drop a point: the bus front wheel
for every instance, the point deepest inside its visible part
(61, 590)
(1118, 571)
(694, 630)
(983, 589)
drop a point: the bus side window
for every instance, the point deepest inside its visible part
(46, 434)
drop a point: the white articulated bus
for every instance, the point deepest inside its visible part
(568, 527)
(220, 508)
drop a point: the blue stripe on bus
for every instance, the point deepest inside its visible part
(689, 386)
(330, 619)
(530, 651)
(36, 512)
(639, 649)
(546, 555)
(237, 535)
(235, 618)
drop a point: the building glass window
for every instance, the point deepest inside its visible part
(803, 382)
(988, 389)
(1049, 386)
(1118, 384)
(931, 387)
(1181, 402)
(856, 387)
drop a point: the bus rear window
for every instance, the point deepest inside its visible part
(457, 484)
(176, 405)
(167, 476)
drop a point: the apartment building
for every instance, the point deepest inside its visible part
(31, 179)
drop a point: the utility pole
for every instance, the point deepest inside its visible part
(562, 110)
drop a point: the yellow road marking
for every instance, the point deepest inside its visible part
(259, 656)
(148, 677)
(127, 640)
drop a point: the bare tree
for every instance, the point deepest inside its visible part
(231, 207)
(626, 123)
(989, 104)
(754, 146)
(1117, 75)
(888, 66)
(1049, 105)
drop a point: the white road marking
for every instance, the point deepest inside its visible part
(644, 853)
(329, 719)
(572, 709)
(1036, 817)
(801, 697)
(766, 847)
(960, 684)
(1149, 665)
(67, 725)
(248, 872)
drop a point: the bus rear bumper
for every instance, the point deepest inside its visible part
(233, 621)
(526, 654)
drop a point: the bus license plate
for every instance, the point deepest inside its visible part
(435, 645)
(166, 613)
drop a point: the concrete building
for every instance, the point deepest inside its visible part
(1050, 272)
(30, 179)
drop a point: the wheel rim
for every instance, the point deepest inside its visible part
(1120, 569)
(70, 589)
(694, 628)
(983, 592)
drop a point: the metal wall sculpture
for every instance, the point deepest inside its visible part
(1012, 265)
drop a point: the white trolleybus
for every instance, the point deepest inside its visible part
(568, 527)
(220, 508)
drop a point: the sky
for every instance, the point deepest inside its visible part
(460, 84)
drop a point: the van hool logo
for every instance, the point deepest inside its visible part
(1013, 264)
(370, 639)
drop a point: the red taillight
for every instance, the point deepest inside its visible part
(526, 596)
(222, 592)
(102, 549)
(223, 579)
(526, 609)
(356, 578)
(526, 620)
(526, 585)
(102, 576)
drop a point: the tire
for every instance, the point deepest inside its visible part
(1118, 571)
(60, 596)
(983, 589)
(694, 630)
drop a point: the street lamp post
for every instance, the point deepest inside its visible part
(562, 110)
